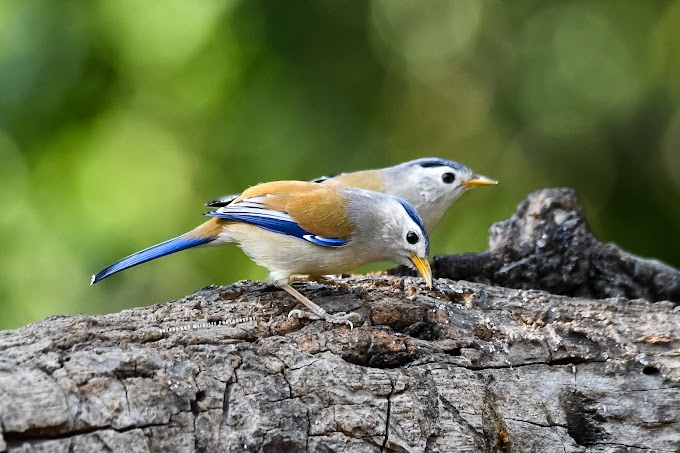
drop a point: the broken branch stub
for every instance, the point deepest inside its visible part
(548, 245)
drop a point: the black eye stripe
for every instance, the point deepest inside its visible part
(430, 163)
(434, 163)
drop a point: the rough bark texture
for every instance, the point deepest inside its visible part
(548, 245)
(464, 367)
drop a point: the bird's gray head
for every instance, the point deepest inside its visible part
(390, 229)
(431, 185)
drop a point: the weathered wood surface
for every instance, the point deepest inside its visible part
(464, 367)
(548, 245)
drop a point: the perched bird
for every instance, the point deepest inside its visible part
(295, 227)
(430, 184)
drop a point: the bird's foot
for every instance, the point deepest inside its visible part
(337, 318)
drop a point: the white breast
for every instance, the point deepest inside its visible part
(284, 256)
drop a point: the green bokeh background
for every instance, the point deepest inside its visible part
(119, 118)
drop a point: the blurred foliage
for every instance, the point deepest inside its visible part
(118, 119)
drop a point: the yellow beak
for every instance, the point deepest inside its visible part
(479, 180)
(423, 266)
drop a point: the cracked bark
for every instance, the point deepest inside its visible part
(388, 413)
(561, 344)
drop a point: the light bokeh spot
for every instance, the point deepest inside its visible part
(426, 40)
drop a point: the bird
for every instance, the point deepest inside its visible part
(430, 184)
(299, 227)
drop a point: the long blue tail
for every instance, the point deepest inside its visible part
(164, 248)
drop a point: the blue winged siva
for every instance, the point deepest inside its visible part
(295, 227)
(430, 184)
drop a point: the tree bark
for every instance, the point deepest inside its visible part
(563, 344)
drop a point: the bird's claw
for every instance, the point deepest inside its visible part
(343, 318)
(300, 314)
(338, 318)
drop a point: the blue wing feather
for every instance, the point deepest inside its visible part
(156, 251)
(255, 213)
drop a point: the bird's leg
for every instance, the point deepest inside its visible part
(320, 279)
(317, 312)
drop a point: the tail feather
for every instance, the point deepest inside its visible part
(156, 251)
(222, 201)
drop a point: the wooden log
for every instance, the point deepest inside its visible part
(463, 367)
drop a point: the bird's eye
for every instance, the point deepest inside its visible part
(448, 178)
(412, 237)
